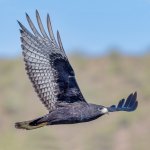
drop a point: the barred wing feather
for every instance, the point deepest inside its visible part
(47, 65)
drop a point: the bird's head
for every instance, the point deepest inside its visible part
(96, 111)
(99, 110)
(103, 110)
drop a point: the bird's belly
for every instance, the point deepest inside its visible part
(65, 120)
(69, 118)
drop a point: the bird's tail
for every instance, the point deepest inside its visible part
(32, 124)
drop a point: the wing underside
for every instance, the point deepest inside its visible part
(130, 104)
(47, 65)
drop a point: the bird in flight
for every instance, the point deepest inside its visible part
(53, 79)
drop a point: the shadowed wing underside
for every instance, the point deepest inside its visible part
(47, 65)
(130, 104)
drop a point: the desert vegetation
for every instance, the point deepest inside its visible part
(103, 80)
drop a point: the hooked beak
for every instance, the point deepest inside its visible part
(105, 111)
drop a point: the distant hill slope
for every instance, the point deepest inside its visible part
(103, 80)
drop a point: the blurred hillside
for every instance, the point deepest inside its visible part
(103, 80)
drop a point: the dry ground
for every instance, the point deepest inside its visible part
(103, 80)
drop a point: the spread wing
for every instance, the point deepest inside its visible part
(130, 104)
(47, 65)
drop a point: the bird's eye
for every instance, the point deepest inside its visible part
(99, 109)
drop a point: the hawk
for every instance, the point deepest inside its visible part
(53, 79)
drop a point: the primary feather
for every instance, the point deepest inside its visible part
(47, 65)
(130, 104)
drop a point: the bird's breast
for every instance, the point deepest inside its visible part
(71, 115)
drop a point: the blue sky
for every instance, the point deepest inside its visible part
(93, 26)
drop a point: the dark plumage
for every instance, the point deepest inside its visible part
(54, 81)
